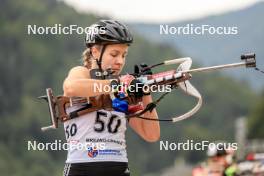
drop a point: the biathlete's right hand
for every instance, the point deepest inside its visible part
(132, 86)
(125, 81)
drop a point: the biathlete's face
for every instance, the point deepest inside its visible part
(114, 57)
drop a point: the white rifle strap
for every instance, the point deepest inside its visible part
(189, 89)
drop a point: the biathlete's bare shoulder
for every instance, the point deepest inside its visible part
(79, 72)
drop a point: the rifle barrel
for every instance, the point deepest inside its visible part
(218, 67)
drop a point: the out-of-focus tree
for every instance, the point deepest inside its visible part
(256, 120)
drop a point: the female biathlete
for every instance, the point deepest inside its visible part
(103, 129)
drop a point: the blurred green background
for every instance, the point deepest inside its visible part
(31, 63)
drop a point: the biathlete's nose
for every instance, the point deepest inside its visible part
(120, 60)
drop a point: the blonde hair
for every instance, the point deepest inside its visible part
(87, 58)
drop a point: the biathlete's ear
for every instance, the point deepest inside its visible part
(95, 51)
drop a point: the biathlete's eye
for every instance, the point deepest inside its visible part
(114, 54)
(124, 55)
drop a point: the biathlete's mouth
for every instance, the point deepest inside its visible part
(116, 70)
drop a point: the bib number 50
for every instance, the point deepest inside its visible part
(71, 130)
(101, 125)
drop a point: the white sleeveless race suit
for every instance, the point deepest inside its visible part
(95, 137)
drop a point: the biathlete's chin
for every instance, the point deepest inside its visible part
(116, 72)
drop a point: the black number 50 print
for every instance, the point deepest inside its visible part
(101, 125)
(71, 130)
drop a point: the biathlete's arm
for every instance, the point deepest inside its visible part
(147, 129)
(78, 83)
